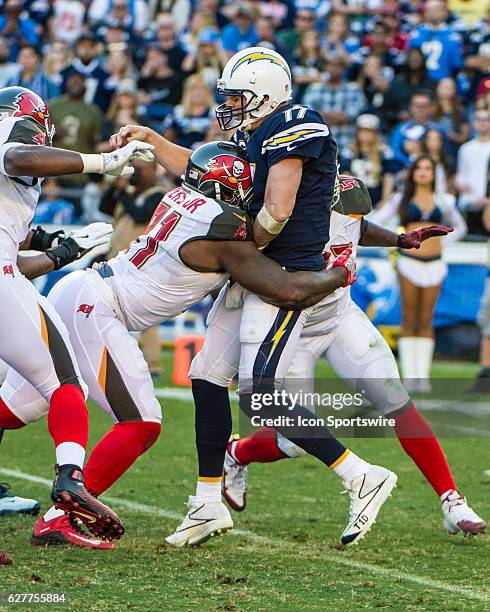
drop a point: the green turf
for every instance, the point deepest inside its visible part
(295, 505)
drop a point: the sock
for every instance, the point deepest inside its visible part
(68, 423)
(408, 357)
(213, 426)
(424, 352)
(349, 466)
(420, 443)
(117, 451)
(260, 447)
(52, 513)
(8, 420)
(320, 442)
(70, 453)
(208, 490)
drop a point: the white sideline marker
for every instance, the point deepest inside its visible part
(368, 567)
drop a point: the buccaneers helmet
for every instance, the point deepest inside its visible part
(22, 102)
(220, 170)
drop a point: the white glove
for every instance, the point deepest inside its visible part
(115, 163)
(92, 235)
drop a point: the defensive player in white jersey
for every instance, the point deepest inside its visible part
(34, 341)
(359, 355)
(198, 234)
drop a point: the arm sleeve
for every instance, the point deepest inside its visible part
(15, 132)
(454, 218)
(389, 212)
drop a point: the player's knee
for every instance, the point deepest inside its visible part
(218, 372)
(288, 448)
(149, 433)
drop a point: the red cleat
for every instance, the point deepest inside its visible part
(63, 530)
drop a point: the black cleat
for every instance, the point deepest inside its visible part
(69, 494)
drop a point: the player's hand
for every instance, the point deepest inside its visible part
(129, 133)
(78, 243)
(115, 163)
(414, 239)
(346, 260)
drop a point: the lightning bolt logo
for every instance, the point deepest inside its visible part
(257, 56)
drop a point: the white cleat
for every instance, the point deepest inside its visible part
(458, 516)
(368, 492)
(203, 521)
(234, 484)
(11, 504)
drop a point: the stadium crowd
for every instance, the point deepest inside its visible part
(393, 80)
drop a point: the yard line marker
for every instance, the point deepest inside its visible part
(360, 565)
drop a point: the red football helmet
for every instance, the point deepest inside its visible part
(22, 102)
(221, 170)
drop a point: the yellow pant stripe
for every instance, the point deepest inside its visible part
(279, 333)
(103, 370)
(44, 328)
(210, 478)
(340, 459)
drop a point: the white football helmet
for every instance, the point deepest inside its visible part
(262, 77)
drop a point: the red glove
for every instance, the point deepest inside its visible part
(347, 261)
(414, 239)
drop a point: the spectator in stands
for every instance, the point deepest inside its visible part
(472, 174)
(376, 43)
(396, 37)
(414, 78)
(291, 38)
(264, 28)
(308, 63)
(8, 69)
(180, 11)
(67, 21)
(188, 123)
(19, 30)
(477, 62)
(189, 39)
(52, 206)
(160, 87)
(338, 40)
(407, 136)
(370, 159)
(441, 45)
(120, 66)
(208, 59)
(451, 116)
(122, 111)
(56, 58)
(421, 271)
(30, 74)
(87, 63)
(78, 127)
(240, 33)
(131, 205)
(167, 41)
(339, 101)
(433, 147)
(132, 15)
(374, 79)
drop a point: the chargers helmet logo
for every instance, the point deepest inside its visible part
(260, 55)
(228, 170)
(86, 309)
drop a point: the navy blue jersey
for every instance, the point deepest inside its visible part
(296, 131)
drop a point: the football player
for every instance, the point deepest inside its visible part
(34, 341)
(294, 161)
(360, 356)
(198, 234)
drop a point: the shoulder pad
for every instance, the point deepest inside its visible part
(354, 197)
(231, 224)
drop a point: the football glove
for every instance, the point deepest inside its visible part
(41, 240)
(346, 260)
(78, 243)
(414, 239)
(115, 163)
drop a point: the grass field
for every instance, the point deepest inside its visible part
(284, 555)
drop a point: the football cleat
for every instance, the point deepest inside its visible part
(11, 504)
(459, 517)
(368, 492)
(204, 520)
(234, 483)
(69, 494)
(65, 530)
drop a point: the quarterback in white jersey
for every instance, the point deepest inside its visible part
(34, 341)
(191, 244)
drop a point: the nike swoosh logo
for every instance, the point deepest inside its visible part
(242, 218)
(89, 518)
(198, 523)
(45, 529)
(375, 490)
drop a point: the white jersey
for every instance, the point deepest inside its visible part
(18, 195)
(150, 281)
